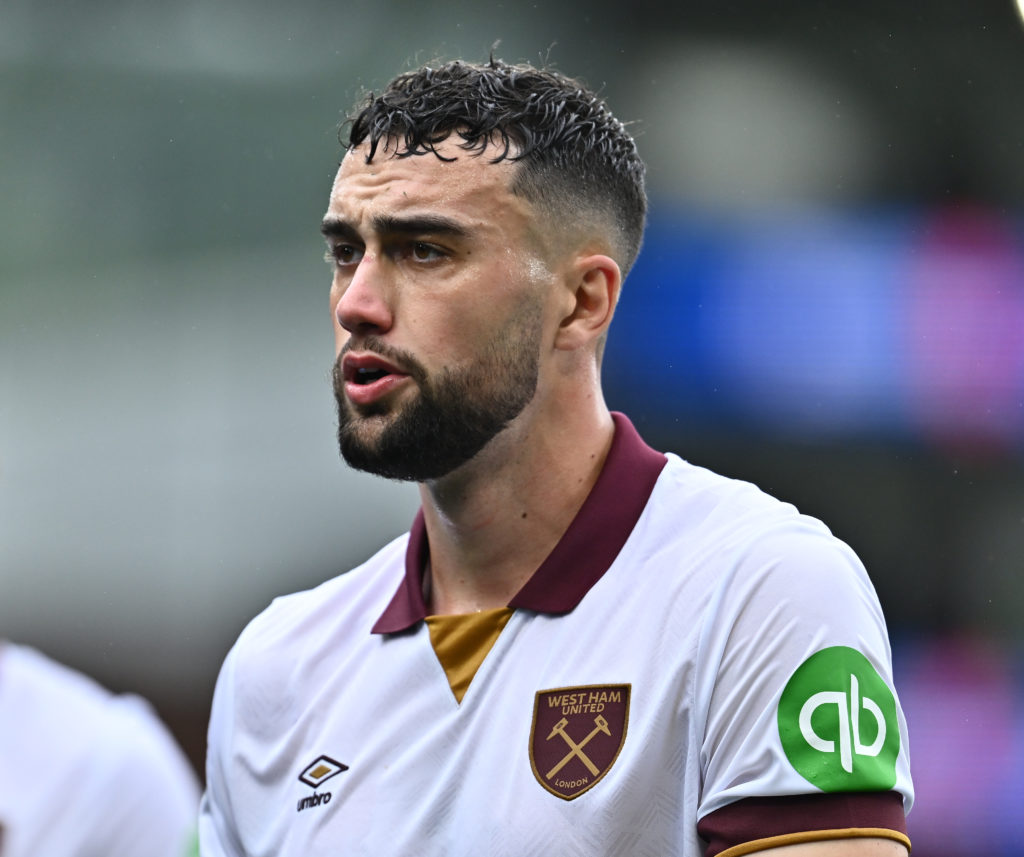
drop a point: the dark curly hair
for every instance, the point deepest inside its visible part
(576, 160)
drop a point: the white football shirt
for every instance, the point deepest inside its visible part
(84, 773)
(696, 668)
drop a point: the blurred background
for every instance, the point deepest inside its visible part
(830, 303)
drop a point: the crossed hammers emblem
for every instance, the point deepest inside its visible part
(576, 750)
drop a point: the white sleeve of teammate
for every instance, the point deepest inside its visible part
(794, 593)
(143, 793)
(217, 832)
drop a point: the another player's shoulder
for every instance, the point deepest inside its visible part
(37, 676)
(43, 683)
(118, 733)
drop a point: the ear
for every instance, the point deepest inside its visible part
(593, 283)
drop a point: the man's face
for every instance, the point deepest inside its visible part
(438, 301)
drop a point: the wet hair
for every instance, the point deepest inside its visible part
(576, 161)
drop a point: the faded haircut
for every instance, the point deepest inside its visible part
(576, 161)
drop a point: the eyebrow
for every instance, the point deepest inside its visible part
(392, 225)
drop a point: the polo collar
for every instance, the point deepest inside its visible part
(583, 554)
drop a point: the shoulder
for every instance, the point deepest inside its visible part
(732, 515)
(38, 677)
(712, 498)
(114, 743)
(350, 600)
(278, 654)
(98, 716)
(114, 729)
(757, 558)
(788, 611)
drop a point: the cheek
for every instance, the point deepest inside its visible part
(340, 338)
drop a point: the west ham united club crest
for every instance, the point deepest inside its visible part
(576, 736)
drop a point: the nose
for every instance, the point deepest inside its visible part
(364, 305)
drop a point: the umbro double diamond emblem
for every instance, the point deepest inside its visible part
(315, 774)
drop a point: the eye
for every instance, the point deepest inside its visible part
(423, 252)
(343, 255)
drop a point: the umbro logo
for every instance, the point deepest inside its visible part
(315, 774)
(320, 770)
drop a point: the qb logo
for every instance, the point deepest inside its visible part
(849, 724)
(837, 722)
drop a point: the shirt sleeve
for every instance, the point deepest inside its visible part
(136, 759)
(802, 729)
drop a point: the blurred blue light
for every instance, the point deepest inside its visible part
(893, 323)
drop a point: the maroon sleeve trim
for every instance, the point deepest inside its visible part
(744, 826)
(759, 845)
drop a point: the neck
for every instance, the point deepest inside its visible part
(493, 522)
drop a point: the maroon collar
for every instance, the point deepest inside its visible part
(583, 554)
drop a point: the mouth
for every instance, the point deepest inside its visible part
(369, 377)
(366, 368)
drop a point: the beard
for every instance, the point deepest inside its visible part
(453, 415)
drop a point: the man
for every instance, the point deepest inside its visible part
(583, 646)
(84, 772)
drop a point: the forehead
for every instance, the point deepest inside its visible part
(469, 187)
